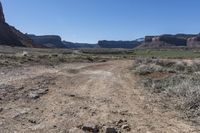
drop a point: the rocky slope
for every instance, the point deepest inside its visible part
(11, 36)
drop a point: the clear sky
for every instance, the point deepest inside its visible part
(93, 20)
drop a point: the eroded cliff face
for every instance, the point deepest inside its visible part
(2, 18)
(7, 37)
(167, 40)
(10, 36)
(48, 41)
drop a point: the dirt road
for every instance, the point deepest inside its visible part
(63, 98)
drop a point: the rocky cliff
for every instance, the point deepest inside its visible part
(48, 41)
(166, 40)
(10, 36)
(2, 19)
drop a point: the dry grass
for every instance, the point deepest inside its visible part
(179, 82)
(10, 56)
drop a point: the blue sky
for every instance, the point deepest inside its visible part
(93, 20)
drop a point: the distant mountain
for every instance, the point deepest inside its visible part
(10, 36)
(54, 41)
(119, 44)
(79, 45)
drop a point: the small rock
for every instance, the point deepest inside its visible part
(33, 95)
(1, 109)
(110, 130)
(42, 91)
(37, 94)
(19, 112)
(90, 128)
(72, 95)
(126, 127)
(120, 122)
(32, 121)
(85, 107)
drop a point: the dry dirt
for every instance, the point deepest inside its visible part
(64, 98)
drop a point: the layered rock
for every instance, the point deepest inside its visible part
(194, 41)
(166, 41)
(48, 41)
(2, 18)
(10, 36)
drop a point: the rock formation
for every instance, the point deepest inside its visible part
(166, 41)
(48, 41)
(10, 36)
(2, 19)
(194, 41)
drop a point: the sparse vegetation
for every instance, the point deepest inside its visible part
(177, 81)
(19, 56)
(177, 53)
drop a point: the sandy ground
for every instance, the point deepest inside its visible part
(68, 97)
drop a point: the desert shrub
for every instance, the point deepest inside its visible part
(141, 60)
(179, 66)
(182, 87)
(165, 63)
(148, 69)
(172, 66)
